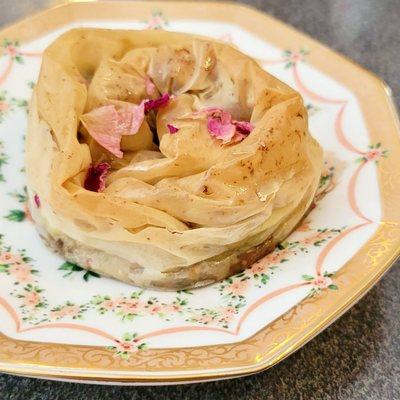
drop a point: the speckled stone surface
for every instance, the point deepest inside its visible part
(358, 357)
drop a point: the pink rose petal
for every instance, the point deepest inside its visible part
(238, 137)
(150, 86)
(172, 129)
(219, 124)
(157, 103)
(96, 176)
(243, 127)
(106, 125)
(36, 199)
(131, 118)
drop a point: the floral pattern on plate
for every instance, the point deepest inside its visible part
(128, 319)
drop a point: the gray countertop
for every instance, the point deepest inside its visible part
(358, 357)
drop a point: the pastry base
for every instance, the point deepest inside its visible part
(197, 275)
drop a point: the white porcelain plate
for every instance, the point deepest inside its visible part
(58, 320)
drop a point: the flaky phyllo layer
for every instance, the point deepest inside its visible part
(166, 150)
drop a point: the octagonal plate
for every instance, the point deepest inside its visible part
(61, 322)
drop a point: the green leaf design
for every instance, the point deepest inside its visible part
(128, 336)
(282, 245)
(307, 277)
(137, 294)
(186, 291)
(70, 267)
(22, 197)
(19, 102)
(6, 42)
(333, 287)
(19, 59)
(16, 215)
(88, 274)
(3, 268)
(3, 159)
(360, 160)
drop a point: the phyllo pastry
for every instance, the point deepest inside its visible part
(163, 159)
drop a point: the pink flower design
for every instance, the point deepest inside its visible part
(315, 238)
(125, 346)
(156, 21)
(31, 299)
(70, 311)
(277, 256)
(55, 314)
(322, 282)
(21, 272)
(204, 319)
(4, 107)
(169, 308)
(294, 57)
(228, 313)
(129, 306)
(257, 268)
(27, 212)
(10, 258)
(175, 308)
(11, 50)
(373, 155)
(155, 309)
(109, 305)
(238, 287)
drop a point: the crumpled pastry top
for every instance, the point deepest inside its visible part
(185, 183)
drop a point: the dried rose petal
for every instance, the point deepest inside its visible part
(172, 129)
(36, 199)
(238, 137)
(107, 125)
(150, 86)
(243, 127)
(96, 177)
(131, 118)
(219, 124)
(157, 103)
